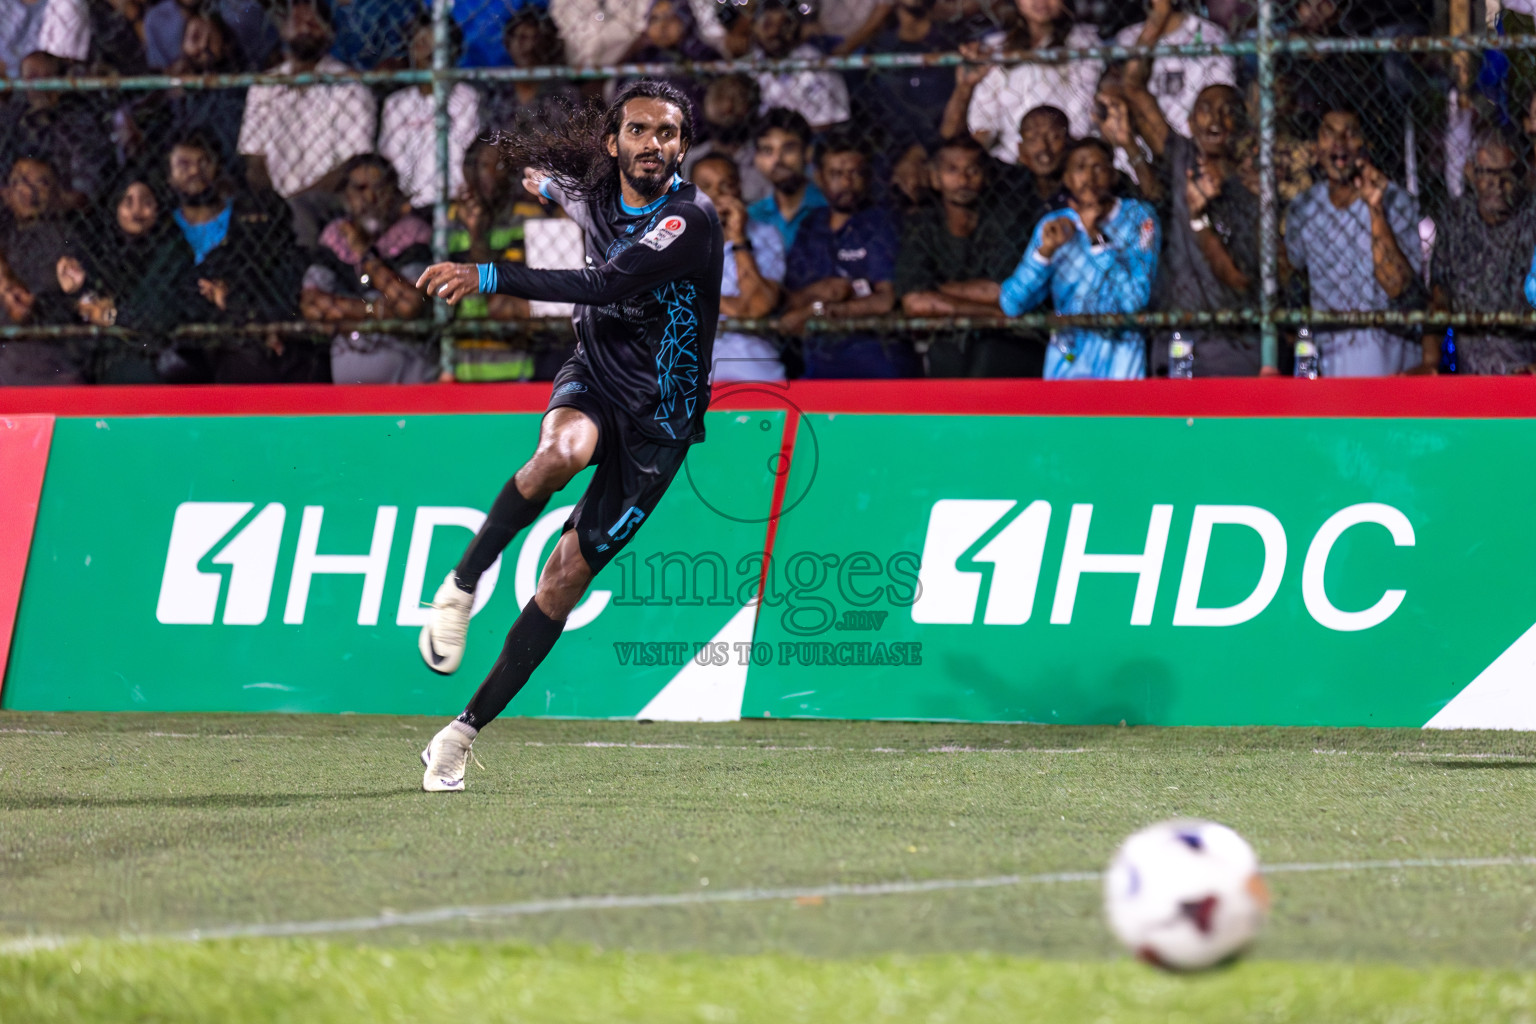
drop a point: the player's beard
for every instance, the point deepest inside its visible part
(651, 184)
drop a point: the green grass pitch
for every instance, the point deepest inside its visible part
(199, 868)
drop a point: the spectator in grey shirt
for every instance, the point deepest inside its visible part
(1480, 257)
(1211, 254)
(1355, 235)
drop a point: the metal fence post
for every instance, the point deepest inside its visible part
(442, 88)
(1269, 218)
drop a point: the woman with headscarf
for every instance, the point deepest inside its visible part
(134, 276)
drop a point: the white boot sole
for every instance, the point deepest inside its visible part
(449, 664)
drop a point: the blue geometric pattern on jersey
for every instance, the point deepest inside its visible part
(677, 357)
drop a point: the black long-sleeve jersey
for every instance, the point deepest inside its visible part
(647, 304)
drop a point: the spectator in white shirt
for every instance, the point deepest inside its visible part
(991, 99)
(59, 27)
(407, 135)
(1177, 82)
(821, 97)
(296, 139)
(598, 31)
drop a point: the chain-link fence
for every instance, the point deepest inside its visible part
(242, 191)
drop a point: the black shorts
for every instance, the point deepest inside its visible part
(633, 471)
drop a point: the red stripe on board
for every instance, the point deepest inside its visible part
(780, 487)
(277, 400)
(24, 444)
(1450, 397)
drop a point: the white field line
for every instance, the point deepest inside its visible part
(831, 749)
(1443, 756)
(530, 908)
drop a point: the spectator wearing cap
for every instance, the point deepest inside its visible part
(783, 144)
(990, 99)
(531, 40)
(366, 269)
(33, 239)
(843, 264)
(1211, 260)
(246, 267)
(1098, 255)
(820, 97)
(1482, 246)
(59, 27)
(1355, 235)
(297, 139)
(750, 278)
(730, 113)
(1174, 81)
(407, 135)
(948, 251)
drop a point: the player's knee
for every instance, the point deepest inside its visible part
(551, 469)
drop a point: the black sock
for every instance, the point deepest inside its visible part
(528, 642)
(510, 512)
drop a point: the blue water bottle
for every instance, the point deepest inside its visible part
(1448, 351)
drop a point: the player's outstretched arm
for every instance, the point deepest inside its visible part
(450, 281)
(679, 246)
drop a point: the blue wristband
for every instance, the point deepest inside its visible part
(487, 277)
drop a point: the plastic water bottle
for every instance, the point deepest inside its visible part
(1181, 357)
(1306, 353)
(1448, 351)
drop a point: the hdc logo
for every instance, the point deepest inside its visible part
(948, 593)
(207, 536)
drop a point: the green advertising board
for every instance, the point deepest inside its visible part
(983, 568)
(1169, 571)
(280, 564)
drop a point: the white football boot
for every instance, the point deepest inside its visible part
(446, 758)
(443, 637)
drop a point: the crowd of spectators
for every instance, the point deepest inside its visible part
(291, 221)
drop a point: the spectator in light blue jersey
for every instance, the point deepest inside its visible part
(1098, 255)
(1530, 282)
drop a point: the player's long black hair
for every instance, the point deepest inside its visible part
(574, 149)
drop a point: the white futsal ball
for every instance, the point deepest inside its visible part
(1184, 895)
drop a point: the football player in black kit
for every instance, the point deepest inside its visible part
(632, 398)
